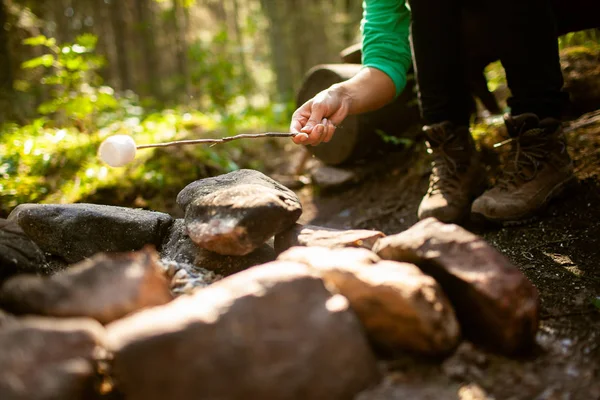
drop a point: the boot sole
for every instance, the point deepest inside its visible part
(530, 216)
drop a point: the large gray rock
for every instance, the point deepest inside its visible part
(105, 287)
(496, 304)
(401, 308)
(180, 248)
(49, 359)
(309, 235)
(18, 253)
(78, 231)
(235, 213)
(271, 332)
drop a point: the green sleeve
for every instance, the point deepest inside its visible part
(385, 44)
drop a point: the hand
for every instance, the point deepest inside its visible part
(316, 120)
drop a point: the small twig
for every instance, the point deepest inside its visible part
(217, 141)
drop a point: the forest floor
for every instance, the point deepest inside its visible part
(559, 252)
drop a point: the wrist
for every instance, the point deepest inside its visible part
(344, 92)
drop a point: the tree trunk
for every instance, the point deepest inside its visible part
(240, 43)
(6, 76)
(119, 22)
(279, 49)
(149, 61)
(103, 29)
(179, 20)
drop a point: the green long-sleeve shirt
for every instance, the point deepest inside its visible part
(385, 45)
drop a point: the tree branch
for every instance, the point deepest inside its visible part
(220, 140)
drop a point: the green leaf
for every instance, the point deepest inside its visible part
(40, 40)
(596, 302)
(86, 40)
(52, 80)
(46, 60)
(50, 107)
(75, 64)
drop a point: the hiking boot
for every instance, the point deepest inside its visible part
(456, 176)
(537, 168)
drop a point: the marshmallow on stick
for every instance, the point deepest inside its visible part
(119, 150)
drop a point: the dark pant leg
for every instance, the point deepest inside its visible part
(439, 66)
(526, 36)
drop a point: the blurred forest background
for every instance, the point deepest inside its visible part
(73, 72)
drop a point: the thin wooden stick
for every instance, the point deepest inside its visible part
(217, 141)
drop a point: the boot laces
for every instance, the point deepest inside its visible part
(445, 167)
(528, 152)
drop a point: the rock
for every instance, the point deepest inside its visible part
(45, 358)
(105, 287)
(271, 332)
(78, 231)
(400, 307)
(229, 265)
(18, 253)
(309, 235)
(180, 248)
(5, 318)
(236, 213)
(330, 178)
(496, 304)
(185, 278)
(321, 258)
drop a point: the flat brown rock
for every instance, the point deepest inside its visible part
(309, 235)
(180, 248)
(400, 307)
(105, 287)
(323, 258)
(44, 358)
(236, 213)
(271, 332)
(496, 304)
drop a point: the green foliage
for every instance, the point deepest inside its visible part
(495, 75)
(396, 141)
(596, 302)
(53, 158)
(42, 163)
(215, 71)
(587, 38)
(71, 73)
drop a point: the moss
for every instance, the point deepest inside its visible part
(39, 163)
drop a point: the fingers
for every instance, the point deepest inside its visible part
(322, 132)
(295, 127)
(318, 133)
(330, 130)
(315, 121)
(299, 120)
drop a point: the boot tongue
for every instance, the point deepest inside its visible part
(521, 124)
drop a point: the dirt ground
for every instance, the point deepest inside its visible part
(559, 252)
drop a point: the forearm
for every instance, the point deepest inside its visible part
(368, 90)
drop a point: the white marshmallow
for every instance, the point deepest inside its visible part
(117, 150)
